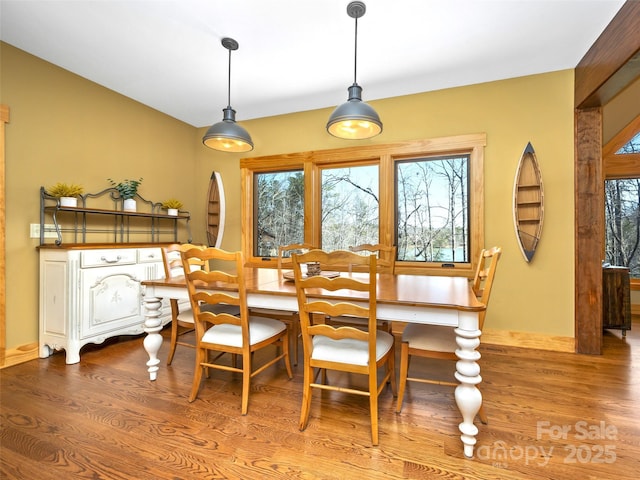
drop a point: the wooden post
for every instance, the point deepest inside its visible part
(589, 232)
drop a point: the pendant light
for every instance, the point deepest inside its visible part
(354, 119)
(227, 135)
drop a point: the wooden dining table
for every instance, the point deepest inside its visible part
(433, 300)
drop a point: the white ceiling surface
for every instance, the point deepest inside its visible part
(298, 55)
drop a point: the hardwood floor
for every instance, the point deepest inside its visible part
(551, 416)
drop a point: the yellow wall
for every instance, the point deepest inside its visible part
(65, 128)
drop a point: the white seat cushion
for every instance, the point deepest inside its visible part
(436, 338)
(348, 350)
(231, 335)
(186, 315)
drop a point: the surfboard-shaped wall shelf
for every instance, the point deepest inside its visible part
(528, 203)
(215, 211)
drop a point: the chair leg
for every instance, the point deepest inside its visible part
(174, 340)
(287, 359)
(482, 415)
(373, 406)
(295, 332)
(201, 356)
(391, 365)
(306, 396)
(404, 371)
(207, 358)
(246, 381)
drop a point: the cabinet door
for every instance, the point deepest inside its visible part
(111, 300)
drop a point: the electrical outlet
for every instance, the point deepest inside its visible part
(49, 230)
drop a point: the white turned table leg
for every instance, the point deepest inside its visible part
(468, 397)
(153, 340)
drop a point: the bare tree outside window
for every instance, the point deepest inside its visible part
(622, 217)
(622, 222)
(433, 209)
(350, 207)
(279, 211)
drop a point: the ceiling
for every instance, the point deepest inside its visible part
(298, 55)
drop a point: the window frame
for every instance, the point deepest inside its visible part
(385, 156)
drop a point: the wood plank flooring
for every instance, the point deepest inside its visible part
(551, 416)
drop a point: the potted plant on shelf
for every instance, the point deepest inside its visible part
(66, 193)
(127, 189)
(172, 206)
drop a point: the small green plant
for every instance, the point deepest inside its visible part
(172, 203)
(65, 190)
(126, 188)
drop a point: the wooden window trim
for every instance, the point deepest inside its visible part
(626, 165)
(385, 156)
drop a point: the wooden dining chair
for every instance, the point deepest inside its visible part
(292, 319)
(344, 349)
(221, 332)
(439, 342)
(181, 314)
(386, 263)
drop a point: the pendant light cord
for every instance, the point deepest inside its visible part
(355, 59)
(229, 82)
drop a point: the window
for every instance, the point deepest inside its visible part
(622, 224)
(621, 156)
(425, 197)
(278, 212)
(432, 208)
(350, 207)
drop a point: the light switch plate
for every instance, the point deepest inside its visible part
(49, 230)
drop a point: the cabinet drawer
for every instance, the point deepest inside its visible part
(149, 255)
(104, 258)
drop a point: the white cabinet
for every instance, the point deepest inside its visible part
(90, 294)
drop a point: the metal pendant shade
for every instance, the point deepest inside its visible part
(227, 135)
(354, 119)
